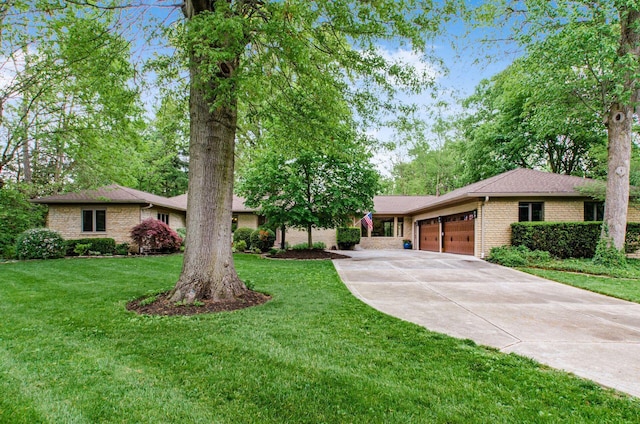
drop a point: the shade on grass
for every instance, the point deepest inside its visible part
(70, 352)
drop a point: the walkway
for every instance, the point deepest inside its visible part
(590, 335)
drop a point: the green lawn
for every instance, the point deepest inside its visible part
(71, 353)
(623, 283)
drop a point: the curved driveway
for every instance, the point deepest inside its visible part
(590, 335)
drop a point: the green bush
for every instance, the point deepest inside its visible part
(319, 245)
(81, 249)
(347, 237)
(244, 234)
(568, 239)
(104, 245)
(182, 232)
(515, 256)
(262, 239)
(240, 245)
(561, 239)
(122, 249)
(40, 243)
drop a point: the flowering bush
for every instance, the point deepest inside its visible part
(156, 236)
(262, 239)
(40, 243)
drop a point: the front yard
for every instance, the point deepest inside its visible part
(70, 352)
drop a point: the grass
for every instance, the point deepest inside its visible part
(623, 282)
(71, 353)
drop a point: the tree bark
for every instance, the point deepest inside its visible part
(619, 132)
(208, 271)
(617, 195)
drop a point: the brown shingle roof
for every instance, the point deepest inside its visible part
(237, 205)
(517, 183)
(111, 194)
(394, 205)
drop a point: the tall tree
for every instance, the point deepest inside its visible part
(575, 29)
(251, 48)
(165, 161)
(69, 115)
(528, 116)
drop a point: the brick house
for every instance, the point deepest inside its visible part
(470, 220)
(473, 219)
(110, 211)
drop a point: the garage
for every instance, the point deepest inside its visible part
(429, 232)
(458, 233)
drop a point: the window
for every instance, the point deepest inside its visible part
(382, 227)
(400, 228)
(234, 222)
(94, 221)
(164, 217)
(593, 211)
(530, 211)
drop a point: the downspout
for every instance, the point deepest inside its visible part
(482, 229)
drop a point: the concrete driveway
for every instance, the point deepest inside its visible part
(590, 335)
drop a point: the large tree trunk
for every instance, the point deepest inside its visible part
(617, 195)
(208, 271)
(620, 127)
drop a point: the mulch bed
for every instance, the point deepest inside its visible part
(162, 306)
(308, 254)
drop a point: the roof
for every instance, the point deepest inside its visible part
(114, 194)
(237, 205)
(515, 183)
(394, 205)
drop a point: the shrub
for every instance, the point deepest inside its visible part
(347, 237)
(182, 232)
(514, 256)
(104, 245)
(122, 249)
(243, 234)
(156, 236)
(607, 255)
(81, 249)
(240, 245)
(561, 239)
(568, 239)
(319, 245)
(262, 239)
(40, 243)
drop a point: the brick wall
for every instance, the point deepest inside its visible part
(67, 220)
(395, 242)
(247, 220)
(176, 219)
(328, 237)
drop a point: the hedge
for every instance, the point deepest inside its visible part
(104, 245)
(347, 237)
(567, 239)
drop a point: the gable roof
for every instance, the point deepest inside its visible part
(519, 182)
(114, 194)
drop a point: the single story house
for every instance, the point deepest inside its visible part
(110, 211)
(470, 220)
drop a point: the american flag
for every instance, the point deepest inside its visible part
(368, 220)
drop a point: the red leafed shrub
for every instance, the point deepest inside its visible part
(156, 236)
